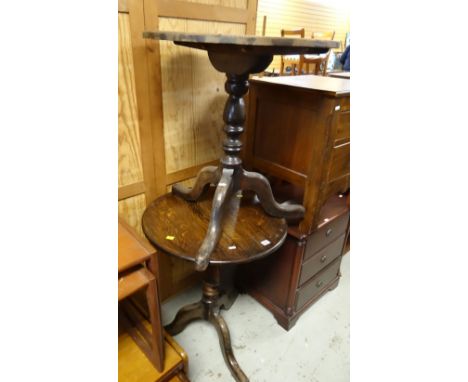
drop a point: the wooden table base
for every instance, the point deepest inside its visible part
(230, 177)
(209, 309)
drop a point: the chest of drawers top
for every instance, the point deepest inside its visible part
(335, 87)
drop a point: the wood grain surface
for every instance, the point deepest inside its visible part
(333, 86)
(242, 4)
(131, 210)
(133, 249)
(178, 227)
(241, 40)
(134, 281)
(193, 97)
(201, 139)
(135, 366)
(130, 169)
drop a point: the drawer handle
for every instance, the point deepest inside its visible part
(329, 231)
(319, 284)
(323, 258)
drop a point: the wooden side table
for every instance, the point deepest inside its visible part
(176, 227)
(238, 57)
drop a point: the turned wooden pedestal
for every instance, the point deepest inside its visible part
(176, 227)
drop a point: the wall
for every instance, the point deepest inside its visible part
(314, 16)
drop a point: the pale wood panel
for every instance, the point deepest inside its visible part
(294, 14)
(133, 365)
(193, 96)
(130, 169)
(242, 4)
(123, 6)
(131, 210)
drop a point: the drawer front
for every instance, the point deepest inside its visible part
(339, 166)
(342, 129)
(321, 259)
(317, 284)
(325, 235)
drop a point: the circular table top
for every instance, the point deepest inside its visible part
(247, 43)
(178, 228)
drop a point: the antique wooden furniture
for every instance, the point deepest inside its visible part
(237, 56)
(303, 269)
(165, 135)
(298, 133)
(293, 59)
(320, 62)
(177, 226)
(134, 253)
(135, 366)
(144, 354)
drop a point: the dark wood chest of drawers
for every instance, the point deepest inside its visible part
(298, 134)
(303, 269)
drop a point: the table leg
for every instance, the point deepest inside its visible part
(185, 316)
(259, 184)
(209, 309)
(223, 193)
(207, 175)
(225, 343)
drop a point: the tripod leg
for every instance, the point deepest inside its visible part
(207, 175)
(226, 348)
(259, 184)
(185, 316)
(223, 192)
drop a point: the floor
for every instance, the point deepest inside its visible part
(315, 350)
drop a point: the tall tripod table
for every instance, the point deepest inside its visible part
(238, 57)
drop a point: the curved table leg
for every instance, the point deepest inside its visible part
(185, 316)
(207, 175)
(226, 348)
(259, 184)
(223, 192)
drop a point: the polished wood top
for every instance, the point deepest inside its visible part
(178, 227)
(245, 43)
(133, 249)
(332, 86)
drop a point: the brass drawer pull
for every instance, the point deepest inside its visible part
(323, 258)
(319, 284)
(328, 233)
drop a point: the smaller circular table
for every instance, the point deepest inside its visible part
(177, 227)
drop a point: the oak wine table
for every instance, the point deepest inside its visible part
(237, 57)
(176, 227)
